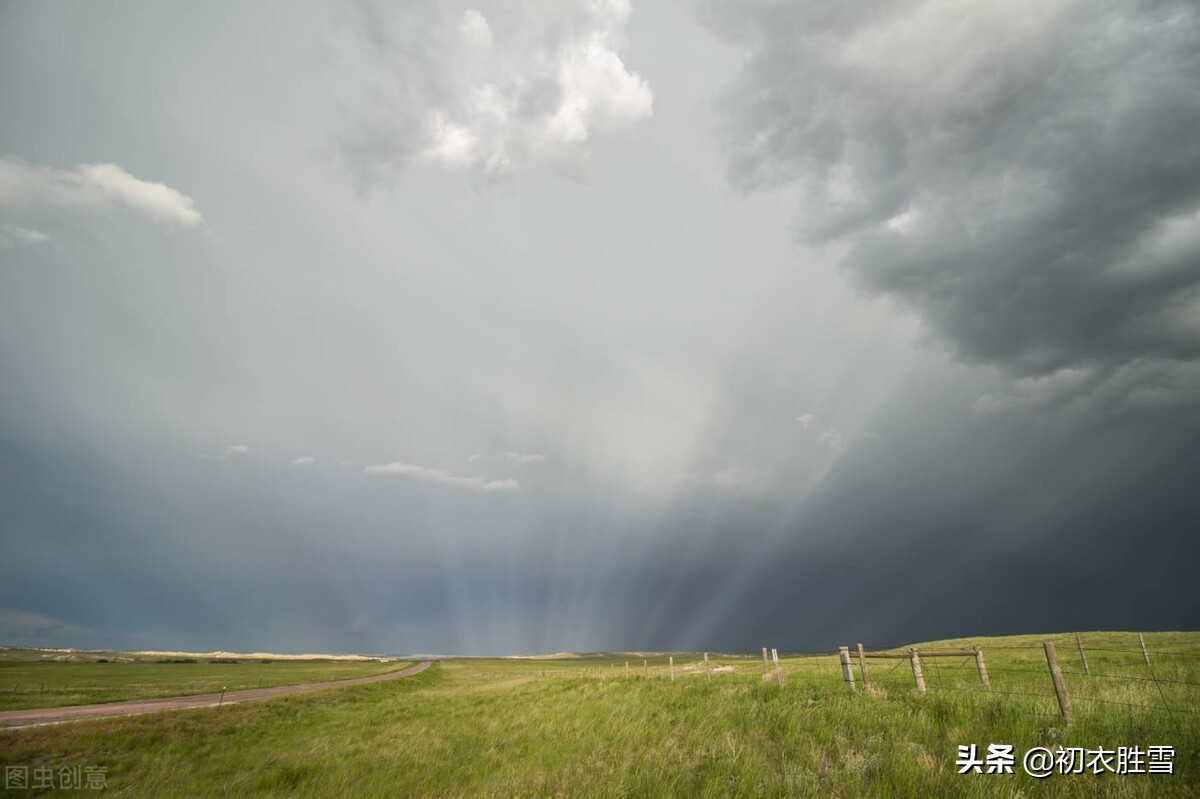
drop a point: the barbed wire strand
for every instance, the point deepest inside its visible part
(888, 673)
(1134, 678)
(994, 692)
(1138, 652)
(1161, 694)
(1155, 708)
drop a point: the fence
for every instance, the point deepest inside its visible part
(1130, 662)
(1059, 673)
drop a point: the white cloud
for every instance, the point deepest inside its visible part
(731, 477)
(233, 450)
(305, 461)
(805, 420)
(507, 457)
(91, 188)
(831, 438)
(475, 31)
(491, 103)
(443, 477)
(13, 235)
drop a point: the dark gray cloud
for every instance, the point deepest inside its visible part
(1025, 176)
(952, 523)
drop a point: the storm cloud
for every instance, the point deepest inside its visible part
(1024, 176)
(518, 326)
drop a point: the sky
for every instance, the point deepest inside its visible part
(520, 326)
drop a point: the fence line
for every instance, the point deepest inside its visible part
(938, 673)
(933, 668)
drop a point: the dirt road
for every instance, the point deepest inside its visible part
(54, 715)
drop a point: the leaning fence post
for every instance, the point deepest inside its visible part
(766, 668)
(1145, 654)
(983, 675)
(862, 664)
(1060, 687)
(847, 672)
(918, 674)
(1082, 656)
(672, 659)
(778, 671)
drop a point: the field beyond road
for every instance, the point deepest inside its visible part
(618, 725)
(29, 679)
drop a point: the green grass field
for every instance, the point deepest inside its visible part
(580, 727)
(29, 681)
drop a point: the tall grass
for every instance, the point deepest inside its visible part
(578, 727)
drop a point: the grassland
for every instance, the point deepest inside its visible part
(29, 680)
(579, 727)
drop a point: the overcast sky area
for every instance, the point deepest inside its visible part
(520, 326)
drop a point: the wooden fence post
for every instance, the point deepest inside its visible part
(627, 669)
(847, 672)
(1060, 687)
(778, 671)
(645, 669)
(862, 665)
(1145, 654)
(707, 668)
(766, 668)
(672, 668)
(1082, 656)
(979, 664)
(918, 675)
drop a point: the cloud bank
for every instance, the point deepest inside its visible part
(1025, 176)
(457, 93)
(443, 477)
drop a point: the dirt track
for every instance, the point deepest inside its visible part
(54, 715)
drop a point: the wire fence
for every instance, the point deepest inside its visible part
(1102, 670)
(1143, 679)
